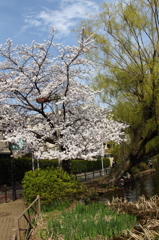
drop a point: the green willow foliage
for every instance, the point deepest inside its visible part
(126, 35)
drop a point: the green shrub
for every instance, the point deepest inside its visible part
(138, 168)
(44, 163)
(78, 166)
(50, 184)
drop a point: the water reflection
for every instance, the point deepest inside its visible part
(147, 185)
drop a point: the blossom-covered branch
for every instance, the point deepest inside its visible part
(44, 103)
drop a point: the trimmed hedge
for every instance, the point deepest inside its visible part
(5, 171)
(20, 166)
(79, 166)
(24, 164)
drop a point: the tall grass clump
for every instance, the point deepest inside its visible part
(88, 222)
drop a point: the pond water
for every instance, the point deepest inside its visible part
(147, 185)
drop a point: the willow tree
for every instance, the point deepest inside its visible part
(126, 35)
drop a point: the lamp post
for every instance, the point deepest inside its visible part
(37, 159)
(32, 156)
(12, 178)
(103, 145)
(102, 165)
(12, 173)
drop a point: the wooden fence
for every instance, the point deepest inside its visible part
(25, 222)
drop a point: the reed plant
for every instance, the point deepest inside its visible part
(93, 221)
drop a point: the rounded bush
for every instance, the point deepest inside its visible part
(50, 184)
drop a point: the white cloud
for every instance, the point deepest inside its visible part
(62, 18)
(33, 22)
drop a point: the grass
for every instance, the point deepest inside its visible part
(55, 206)
(91, 221)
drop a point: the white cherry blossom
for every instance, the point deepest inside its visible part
(44, 103)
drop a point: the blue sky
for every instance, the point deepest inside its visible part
(26, 20)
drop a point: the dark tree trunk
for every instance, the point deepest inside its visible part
(139, 150)
(118, 171)
(66, 165)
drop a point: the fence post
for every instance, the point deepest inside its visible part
(85, 176)
(38, 210)
(5, 192)
(14, 234)
(16, 221)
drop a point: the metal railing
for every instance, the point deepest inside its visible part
(6, 193)
(25, 222)
(84, 176)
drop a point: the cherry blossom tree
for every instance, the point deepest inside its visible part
(44, 103)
